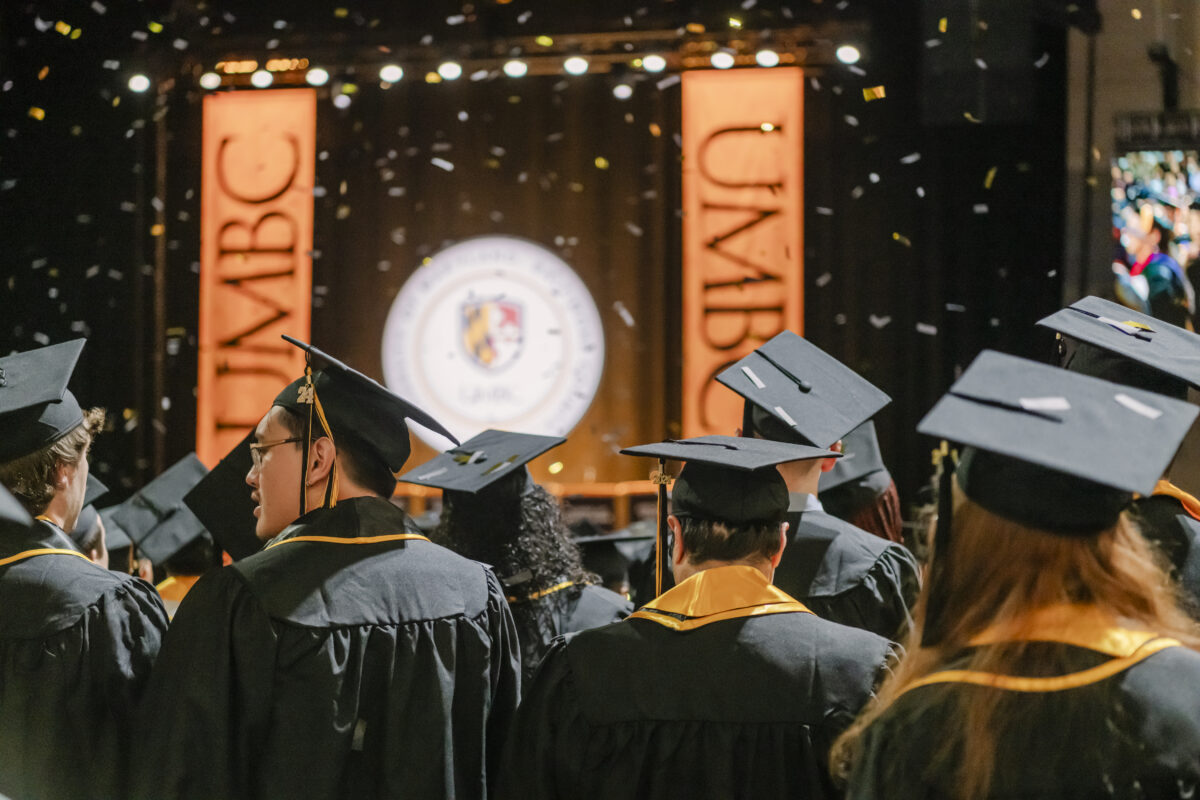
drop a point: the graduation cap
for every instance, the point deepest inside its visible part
(221, 501)
(1049, 449)
(342, 400)
(798, 393)
(94, 491)
(1126, 346)
(115, 536)
(725, 478)
(36, 408)
(85, 524)
(860, 457)
(11, 510)
(156, 519)
(481, 461)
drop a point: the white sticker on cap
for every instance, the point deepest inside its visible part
(1137, 406)
(433, 474)
(1045, 404)
(785, 416)
(750, 374)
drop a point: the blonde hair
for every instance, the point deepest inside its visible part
(997, 572)
(30, 478)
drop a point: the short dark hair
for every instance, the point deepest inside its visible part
(360, 462)
(30, 478)
(711, 540)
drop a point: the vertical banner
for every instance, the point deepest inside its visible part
(256, 229)
(743, 223)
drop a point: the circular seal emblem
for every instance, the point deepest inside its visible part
(495, 332)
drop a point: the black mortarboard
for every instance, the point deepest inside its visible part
(1126, 346)
(36, 408)
(11, 510)
(115, 536)
(480, 461)
(94, 491)
(221, 501)
(730, 478)
(797, 392)
(1052, 449)
(155, 517)
(860, 456)
(343, 401)
(85, 524)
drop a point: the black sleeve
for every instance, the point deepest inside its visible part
(205, 710)
(505, 677)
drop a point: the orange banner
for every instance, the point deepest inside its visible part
(743, 223)
(256, 228)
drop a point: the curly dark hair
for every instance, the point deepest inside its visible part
(517, 529)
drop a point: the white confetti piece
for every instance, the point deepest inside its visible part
(927, 329)
(851, 120)
(858, 71)
(979, 62)
(825, 212)
(624, 314)
(442, 163)
(932, 43)
(632, 228)
(911, 158)
(98, 7)
(873, 177)
(1137, 406)
(667, 82)
(879, 322)
(857, 192)
(783, 415)
(956, 307)
(980, 208)
(920, 191)
(41, 338)
(1043, 61)
(823, 279)
(1045, 404)
(457, 19)
(749, 373)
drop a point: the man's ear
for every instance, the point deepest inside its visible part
(783, 529)
(63, 473)
(676, 528)
(321, 455)
(829, 463)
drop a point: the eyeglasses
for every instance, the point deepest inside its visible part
(256, 450)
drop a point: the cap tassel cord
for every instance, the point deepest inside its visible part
(661, 478)
(931, 635)
(331, 487)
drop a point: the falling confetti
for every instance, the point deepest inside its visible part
(980, 208)
(991, 176)
(62, 27)
(878, 321)
(823, 279)
(911, 158)
(957, 307)
(901, 238)
(624, 314)
(1043, 61)
(601, 162)
(942, 25)
(442, 164)
(874, 93)
(851, 120)
(824, 211)
(969, 117)
(927, 329)
(37, 113)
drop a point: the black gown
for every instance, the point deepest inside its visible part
(367, 663)
(1158, 517)
(77, 643)
(847, 575)
(1135, 734)
(573, 608)
(741, 697)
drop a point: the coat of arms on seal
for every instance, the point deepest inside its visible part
(492, 332)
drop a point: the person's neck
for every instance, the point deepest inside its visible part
(801, 477)
(58, 513)
(687, 569)
(347, 490)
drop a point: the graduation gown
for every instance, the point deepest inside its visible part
(351, 658)
(722, 687)
(1157, 516)
(566, 608)
(844, 574)
(1117, 716)
(77, 643)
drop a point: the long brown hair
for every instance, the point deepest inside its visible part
(997, 572)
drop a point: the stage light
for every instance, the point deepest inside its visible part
(576, 65)
(341, 101)
(390, 73)
(515, 68)
(450, 70)
(654, 63)
(316, 77)
(138, 83)
(210, 81)
(722, 59)
(848, 54)
(262, 79)
(767, 58)
(622, 91)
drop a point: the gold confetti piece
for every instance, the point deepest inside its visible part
(42, 73)
(902, 239)
(655, 130)
(969, 117)
(991, 176)
(426, 260)
(432, 77)
(116, 101)
(341, 13)
(492, 163)
(942, 25)
(349, 88)
(601, 162)
(76, 130)
(62, 27)
(75, 34)
(514, 99)
(695, 27)
(37, 113)
(154, 27)
(735, 23)
(1137, 13)
(874, 93)
(545, 41)
(555, 468)
(157, 230)
(576, 187)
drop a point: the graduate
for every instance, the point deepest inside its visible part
(1102, 339)
(796, 393)
(492, 511)
(1049, 658)
(723, 686)
(351, 657)
(860, 490)
(167, 532)
(77, 641)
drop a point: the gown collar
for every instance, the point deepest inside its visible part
(717, 594)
